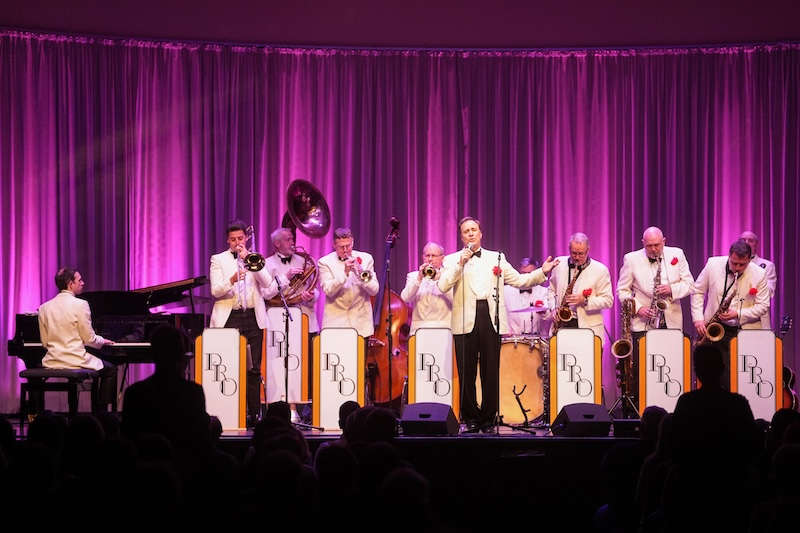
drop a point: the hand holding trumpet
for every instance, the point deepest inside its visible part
(427, 270)
(353, 264)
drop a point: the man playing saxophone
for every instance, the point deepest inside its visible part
(656, 277)
(735, 281)
(582, 287)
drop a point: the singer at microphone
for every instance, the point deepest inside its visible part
(473, 274)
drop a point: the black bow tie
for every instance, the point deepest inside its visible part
(652, 259)
(235, 255)
(477, 253)
(285, 260)
(341, 258)
(523, 291)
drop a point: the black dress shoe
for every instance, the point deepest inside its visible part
(251, 421)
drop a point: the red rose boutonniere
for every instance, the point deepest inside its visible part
(497, 271)
(674, 261)
(587, 293)
(538, 303)
(753, 291)
(358, 260)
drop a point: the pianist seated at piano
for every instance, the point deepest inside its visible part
(65, 327)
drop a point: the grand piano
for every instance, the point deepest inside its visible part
(121, 316)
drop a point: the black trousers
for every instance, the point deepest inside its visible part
(245, 322)
(108, 386)
(725, 347)
(107, 391)
(479, 346)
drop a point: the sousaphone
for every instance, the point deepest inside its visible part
(306, 210)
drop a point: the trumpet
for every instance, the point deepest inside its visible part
(356, 267)
(429, 271)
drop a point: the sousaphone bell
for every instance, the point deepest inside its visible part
(306, 210)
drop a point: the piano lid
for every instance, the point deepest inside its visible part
(139, 301)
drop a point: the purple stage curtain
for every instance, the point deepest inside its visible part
(126, 158)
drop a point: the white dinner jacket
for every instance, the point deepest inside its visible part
(595, 276)
(260, 285)
(432, 307)
(65, 327)
(476, 280)
(751, 307)
(535, 322)
(278, 269)
(347, 298)
(636, 281)
(772, 284)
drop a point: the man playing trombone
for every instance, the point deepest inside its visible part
(737, 298)
(656, 277)
(239, 295)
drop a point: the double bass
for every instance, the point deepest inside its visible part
(790, 398)
(387, 359)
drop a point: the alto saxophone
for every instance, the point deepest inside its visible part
(564, 313)
(714, 329)
(657, 305)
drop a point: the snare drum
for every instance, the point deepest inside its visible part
(520, 360)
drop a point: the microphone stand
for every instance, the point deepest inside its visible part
(498, 419)
(389, 345)
(463, 342)
(287, 317)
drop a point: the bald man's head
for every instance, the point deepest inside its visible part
(653, 241)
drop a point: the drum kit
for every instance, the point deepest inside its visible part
(524, 376)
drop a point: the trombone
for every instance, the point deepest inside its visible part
(253, 261)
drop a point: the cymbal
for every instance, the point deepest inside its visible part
(529, 309)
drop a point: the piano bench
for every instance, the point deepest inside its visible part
(38, 381)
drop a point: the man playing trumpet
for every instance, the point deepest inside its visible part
(432, 307)
(347, 278)
(656, 277)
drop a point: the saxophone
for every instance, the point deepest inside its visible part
(564, 313)
(657, 305)
(714, 329)
(623, 347)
